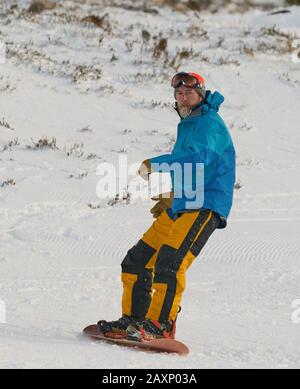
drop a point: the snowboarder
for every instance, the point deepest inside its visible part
(153, 271)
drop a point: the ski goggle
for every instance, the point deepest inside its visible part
(186, 79)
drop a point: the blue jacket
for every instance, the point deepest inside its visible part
(204, 145)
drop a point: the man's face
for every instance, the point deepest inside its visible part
(187, 97)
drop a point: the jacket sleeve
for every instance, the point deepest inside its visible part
(207, 145)
(192, 168)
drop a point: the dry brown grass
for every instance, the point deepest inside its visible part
(43, 143)
(5, 124)
(40, 6)
(9, 181)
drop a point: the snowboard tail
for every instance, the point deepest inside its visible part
(157, 345)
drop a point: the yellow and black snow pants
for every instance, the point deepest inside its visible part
(153, 271)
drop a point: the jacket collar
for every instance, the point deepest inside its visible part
(196, 110)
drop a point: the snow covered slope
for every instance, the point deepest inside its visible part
(97, 93)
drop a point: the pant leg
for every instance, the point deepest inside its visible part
(188, 235)
(138, 265)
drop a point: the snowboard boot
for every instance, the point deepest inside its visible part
(151, 329)
(116, 329)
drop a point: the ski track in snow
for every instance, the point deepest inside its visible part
(60, 259)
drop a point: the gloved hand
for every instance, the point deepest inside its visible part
(164, 201)
(145, 169)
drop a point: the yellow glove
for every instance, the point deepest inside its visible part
(145, 169)
(164, 201)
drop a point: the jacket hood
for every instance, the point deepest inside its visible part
(212, 101)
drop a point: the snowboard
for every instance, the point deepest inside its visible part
(170, 346)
